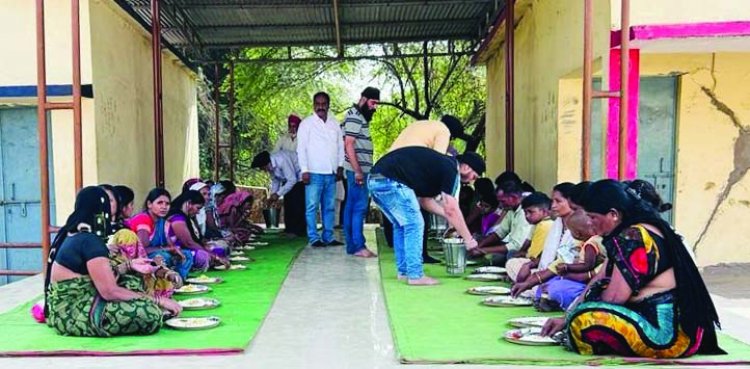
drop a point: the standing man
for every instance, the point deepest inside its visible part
(436, 135)
(286, 183)
(288, 141)
(413, 177)
(320, 151)
(359, 150)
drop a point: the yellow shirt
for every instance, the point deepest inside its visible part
(595, 242)
(425, 133)
(538, 236)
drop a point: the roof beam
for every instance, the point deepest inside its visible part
(254, 4)
(286, 26)
(327, 41)
(333, 58)
(337, 26)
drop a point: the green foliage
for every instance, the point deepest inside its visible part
(266, 93)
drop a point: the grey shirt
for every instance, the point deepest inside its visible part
(355, 125)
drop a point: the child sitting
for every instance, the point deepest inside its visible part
(567, 276)
(124, 246)
(536, 208)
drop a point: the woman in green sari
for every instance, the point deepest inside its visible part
(85, 296)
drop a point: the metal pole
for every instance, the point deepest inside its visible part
(337, 26)
(509, 86)
(77, 129)
(231, 121)
(217, 126)
(588, 56)
(158, 111)
(41, 92)
(624, 66)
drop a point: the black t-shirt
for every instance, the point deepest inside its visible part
(78, 249)
(422, 169)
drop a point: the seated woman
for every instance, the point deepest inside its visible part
(151, 228)
(482, 216)
(649, 300)
(565, 278)
(125, 247)
(214, 229)
(184, 233)
(84, 296)
(233, 213)
(114, 203)
(558, 236)
(125, 205)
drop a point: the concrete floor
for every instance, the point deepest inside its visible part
(329, 314)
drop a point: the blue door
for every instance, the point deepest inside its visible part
(20, 209)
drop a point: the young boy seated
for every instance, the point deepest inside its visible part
(536, 208)
(567, 276)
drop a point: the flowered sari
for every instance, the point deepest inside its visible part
(77, 309)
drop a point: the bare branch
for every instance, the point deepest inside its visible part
(405, 110)
(426, 73)
(452, 68)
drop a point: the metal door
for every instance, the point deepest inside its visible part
(657, 108)
(656, 135)
(19, 189)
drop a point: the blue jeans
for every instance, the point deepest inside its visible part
(320, 193)
(355, 212)
(399, 204)
(182, 268)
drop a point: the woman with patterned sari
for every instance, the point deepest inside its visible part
(125, 247)
(84, 295)
(183, 231)
(151, 228)
(233, 212)
(649, 300)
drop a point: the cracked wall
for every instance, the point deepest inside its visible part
(713, 151)
(549, 49)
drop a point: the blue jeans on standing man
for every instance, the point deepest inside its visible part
(355, 212)
(399, 204)
(320, 193)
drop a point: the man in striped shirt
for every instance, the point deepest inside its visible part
(358, 148)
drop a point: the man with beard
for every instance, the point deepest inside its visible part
(289, 140)
(359, 150)
(320, 151)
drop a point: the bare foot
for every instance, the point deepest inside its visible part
(424, 281)
(365, 253)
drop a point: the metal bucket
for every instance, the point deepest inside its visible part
(455, 255)
(271, 217)
(438, 225)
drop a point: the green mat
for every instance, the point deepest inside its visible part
(443, 324)
(246, 297)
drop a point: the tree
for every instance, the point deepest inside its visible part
(266, 93)
(428, 87)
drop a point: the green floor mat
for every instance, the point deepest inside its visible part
(246, 297)
(443, 324)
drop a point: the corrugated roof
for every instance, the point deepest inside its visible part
(195, 25)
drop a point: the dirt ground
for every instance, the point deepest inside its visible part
(728, 280)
